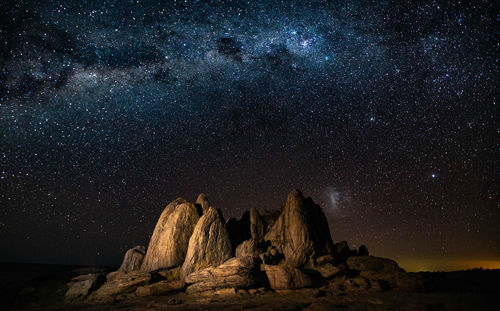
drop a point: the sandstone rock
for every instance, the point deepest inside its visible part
(301, 231)
(203, 202)
(328, 270)
(372, 265)
(209, 245)
(363, 251)
(160, 288)
(171, 274)
(247, 248)
(170, 238)
(252, 247)
(234, 273)
(342, 252)
(133, 259)
(286, 277)
(272, 256)
(384, 270)
(81, 286)
(120, 283)
(257, 225)
(325, 259)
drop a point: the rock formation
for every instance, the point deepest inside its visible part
(202, 201)
(241, 272)
(257, 225)
(301, 232)
(286, 277)
(169, 242)
(133, 259)
(289, 249)
(209, 245)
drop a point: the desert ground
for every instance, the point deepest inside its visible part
(42, 287)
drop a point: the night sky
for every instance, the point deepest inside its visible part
(383, 113)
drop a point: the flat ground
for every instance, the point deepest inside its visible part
(42, 287)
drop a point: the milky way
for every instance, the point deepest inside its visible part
(109, 111)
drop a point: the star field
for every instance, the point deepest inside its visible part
(384, 113)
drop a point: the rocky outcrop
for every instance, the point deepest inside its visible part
(169, 242)
(120, 283)
(203, 202)
(257, 225)
(286, 277)
(81, 286)
(301, 232)
(209, 245)
(241, 272)
(160, 288)
(373, 267)
(133, 259)
(341, 252)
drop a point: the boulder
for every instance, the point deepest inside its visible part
(328, 270)
(171, 274)
(301, 232)
(133, 259)
(325, 259)
(286, 277)
(160, 288)
(272, 256)
(257, 225)
(209, 245)
(170, 239)
(372, 265)
(363, 251)
(120, 283)
(342, 251)
(202, 201)
(241, 272)
(81, 286)
(252, 247)
(384, 270)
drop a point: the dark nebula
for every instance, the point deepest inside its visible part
(384, 113)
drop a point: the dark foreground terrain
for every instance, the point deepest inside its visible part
(25, 286)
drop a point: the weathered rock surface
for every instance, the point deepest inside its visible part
(209, 245)
(363, 251)
(160, 288)
(119, 283)
(203, 202)
(342, 251)
(81, 286)
(169, 242)
(257, 225)
(328, 270)
(301, 231)
(252, 247)
(373, 267)
(171, 274)
(133, 259)
(356, 284)
(286, 277)
(241, 272)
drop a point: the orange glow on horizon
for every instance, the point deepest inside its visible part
(416, 265)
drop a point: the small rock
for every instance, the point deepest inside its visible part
(286, 277)
(160, 288)
(363, 251)
(133, 259)
(328, 270)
